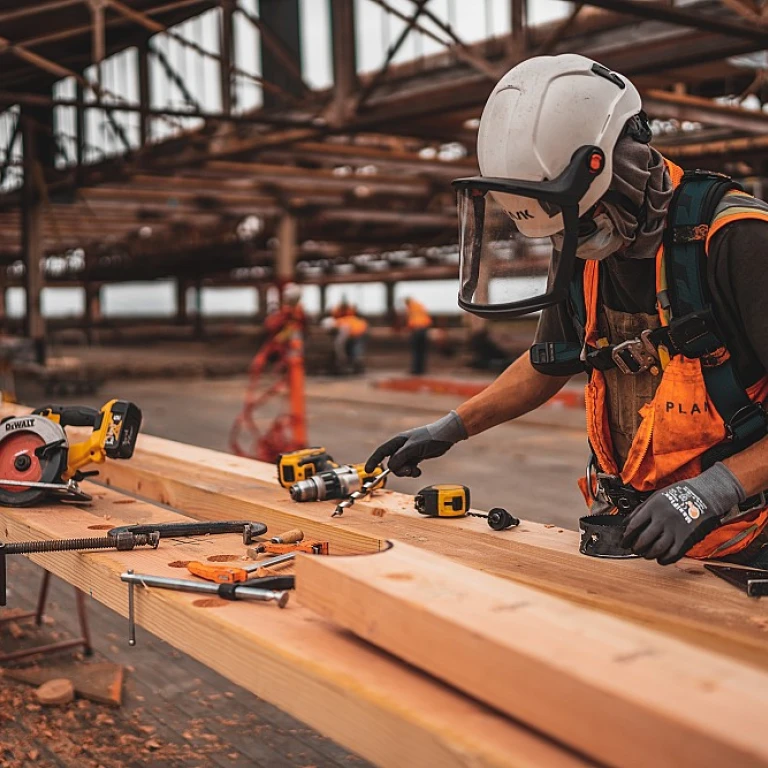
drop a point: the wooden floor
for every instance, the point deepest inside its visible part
(176, 713)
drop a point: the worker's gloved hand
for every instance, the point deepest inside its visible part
(669, 523)
(407, 449)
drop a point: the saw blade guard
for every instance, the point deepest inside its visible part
(32, 449)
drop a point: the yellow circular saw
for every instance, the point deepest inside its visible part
(37, 460)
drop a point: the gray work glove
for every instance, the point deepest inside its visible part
(666, 525)
(407, 449)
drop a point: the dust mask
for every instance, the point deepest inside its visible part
(603, 241)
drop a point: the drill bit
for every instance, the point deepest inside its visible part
(364, 491)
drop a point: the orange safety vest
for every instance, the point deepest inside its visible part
(356, 326)
(418, 316)
(670, 441)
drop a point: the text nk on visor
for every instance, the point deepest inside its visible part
(508, 266)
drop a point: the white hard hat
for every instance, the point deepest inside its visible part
(538, 115)
(291, 293)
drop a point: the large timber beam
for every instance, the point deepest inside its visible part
(344, 61)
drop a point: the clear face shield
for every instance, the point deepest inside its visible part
(508, 266)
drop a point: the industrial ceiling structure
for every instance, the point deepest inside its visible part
(321, 185)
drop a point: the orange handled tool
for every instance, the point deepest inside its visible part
(224, 574)
(310, 546)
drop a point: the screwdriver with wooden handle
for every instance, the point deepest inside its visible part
(226, 574)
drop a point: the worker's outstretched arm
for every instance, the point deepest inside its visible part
(518, 390)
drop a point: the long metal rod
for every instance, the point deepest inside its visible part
(35, 8)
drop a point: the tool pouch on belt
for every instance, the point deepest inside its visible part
(601, 536)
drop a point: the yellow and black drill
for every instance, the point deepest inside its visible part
(337, 483)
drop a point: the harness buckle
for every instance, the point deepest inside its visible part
(743, 423)
(636, 355)
(758, 501)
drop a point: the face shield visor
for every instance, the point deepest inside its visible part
(508, 266)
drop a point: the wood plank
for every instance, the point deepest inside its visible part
(682, 599)
(363, 698)
(557, 667)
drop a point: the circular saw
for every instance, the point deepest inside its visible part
(37, 461)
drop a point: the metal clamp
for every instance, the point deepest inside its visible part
(641, 351)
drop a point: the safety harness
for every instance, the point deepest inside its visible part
(690, 329)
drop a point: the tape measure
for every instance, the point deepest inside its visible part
(453, 501)
(443, 501)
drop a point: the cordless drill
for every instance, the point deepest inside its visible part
(337, 483)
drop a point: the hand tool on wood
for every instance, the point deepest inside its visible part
(37, 460)
(122, 542)
(289, 537)
(335, 483)
(367, 488)
(454, 501)
(299, 465)
(249, 530)
(225, 591)
(310, 546)
(226, 574)
(601, 536)
(753, 581)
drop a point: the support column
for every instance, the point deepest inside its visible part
(390, 299)
(323, 298)
(227, 51)
(287, 233)
(517, 42)
(80, 125)
(199, 322)
(92, 309)
(283, 20)
(145, 121)
(261, 312)
(38, 155)
(344, 60)
(181, 301)
(3, 303)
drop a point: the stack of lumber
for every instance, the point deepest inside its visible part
(438, 643)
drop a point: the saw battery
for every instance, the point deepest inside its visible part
(443, 501)
(300, 465)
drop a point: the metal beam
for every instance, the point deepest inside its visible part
(671, 15)
(659, 103)
(226, 59)
(344, 47)
(282, 18)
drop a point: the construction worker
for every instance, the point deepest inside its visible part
(656, 289)
(290, 315)
(418, 322)
(352, 332)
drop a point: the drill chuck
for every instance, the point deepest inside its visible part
(333, 484)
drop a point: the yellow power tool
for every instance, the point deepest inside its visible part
(300, 465)
(37, 459)
(453, 501)
(337, 483)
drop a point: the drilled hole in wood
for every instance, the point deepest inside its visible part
(210, 602)
(100, 527)
(400, 576)
(222, 558)
(179, 564)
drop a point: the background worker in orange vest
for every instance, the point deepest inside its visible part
(656, 289)
(418, 322)
(350, 342)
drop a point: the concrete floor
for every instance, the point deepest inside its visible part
(529, 467)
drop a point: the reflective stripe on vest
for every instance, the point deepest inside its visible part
(680, 424)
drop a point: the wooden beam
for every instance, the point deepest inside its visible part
(558, 668)
(382, 709)
(345, 80)
(678, 599)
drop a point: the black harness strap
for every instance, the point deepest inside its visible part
(693, 329)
